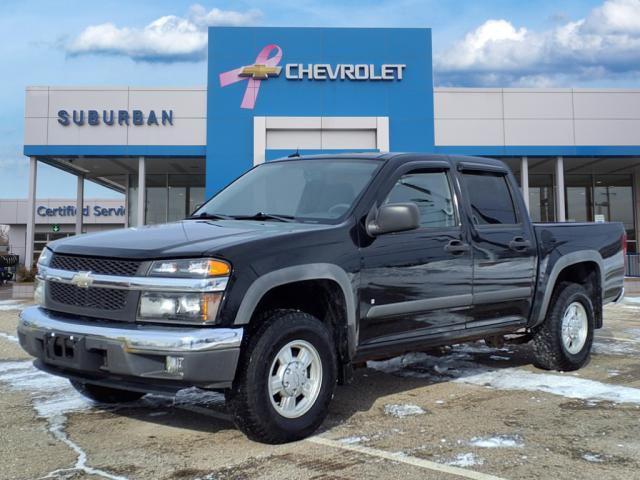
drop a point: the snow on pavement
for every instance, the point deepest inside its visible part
(402, 411)
(465, 460)
(556, 384)
(11, 338)
(53, 398)
(354, 439)
(498, 441)
(6, 305)
(459, 367)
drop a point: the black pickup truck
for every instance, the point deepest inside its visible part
(302, 268)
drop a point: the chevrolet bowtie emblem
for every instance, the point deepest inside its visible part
(260, 72)
(82, 280)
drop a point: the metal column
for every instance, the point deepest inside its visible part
(127, 201)
(524, 180)
(79, 204)
(560, 206)
(141, 191)
(31, 213)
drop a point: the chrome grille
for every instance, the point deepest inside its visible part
(103, 266)
(98, 298)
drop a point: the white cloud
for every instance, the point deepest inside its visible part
(604, 44)
(168, 39)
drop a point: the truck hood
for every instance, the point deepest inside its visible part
(179, 239)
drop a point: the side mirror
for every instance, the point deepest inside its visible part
(394, 217)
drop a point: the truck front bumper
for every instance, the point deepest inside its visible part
(131, 356)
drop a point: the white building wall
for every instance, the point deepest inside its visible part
(536, 117)
(463, 116)
(42, 104)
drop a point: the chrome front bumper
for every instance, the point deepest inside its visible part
(100, 349)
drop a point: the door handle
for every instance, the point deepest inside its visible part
(519, 244)
(456, 246)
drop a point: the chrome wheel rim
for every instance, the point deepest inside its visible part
(575, 327)
(295, 378)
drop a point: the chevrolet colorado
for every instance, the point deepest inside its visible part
(303, 267)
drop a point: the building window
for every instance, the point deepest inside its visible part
(169, 197)
(606, 197)
(613, 202)
(542, 203)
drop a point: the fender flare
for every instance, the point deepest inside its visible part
(573, 258)
(297, 273)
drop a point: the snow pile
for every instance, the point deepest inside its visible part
(592, 457)
(635, 332)
(6, 305)
(11, 338)
(563, 385)
(465, 460)
(499, 441)
(402, 411)
(186, 397)
(353, 440)
(602, 346)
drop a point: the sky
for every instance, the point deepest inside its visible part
(503, 43)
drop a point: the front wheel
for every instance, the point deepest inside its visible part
(563, 342)
(101, 394)
(286, 378)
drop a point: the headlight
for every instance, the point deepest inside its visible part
(195, 308)
(45, 257)
(190, 268)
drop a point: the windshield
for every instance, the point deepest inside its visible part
(320, 190)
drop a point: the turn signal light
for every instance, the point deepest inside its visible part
(217, 268)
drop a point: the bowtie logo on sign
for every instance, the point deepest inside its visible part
(263, 68)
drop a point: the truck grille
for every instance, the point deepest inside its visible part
(99, 298)
(102, 266)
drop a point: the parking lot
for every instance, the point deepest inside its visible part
(465, 412)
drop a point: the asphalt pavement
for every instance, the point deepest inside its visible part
(464, 412)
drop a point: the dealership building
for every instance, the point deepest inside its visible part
(273, 91)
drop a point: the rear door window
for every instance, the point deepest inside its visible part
(490, 198)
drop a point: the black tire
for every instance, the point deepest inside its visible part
(248, 399)
(101, 394)
(548, 347)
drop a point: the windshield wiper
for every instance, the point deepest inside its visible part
(265, 216)
(210, 216)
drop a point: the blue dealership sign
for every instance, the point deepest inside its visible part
(314, 72)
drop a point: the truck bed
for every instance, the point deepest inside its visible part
(563, 243)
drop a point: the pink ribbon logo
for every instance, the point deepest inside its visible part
(263, 68)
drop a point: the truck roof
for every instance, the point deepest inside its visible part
(399, 158)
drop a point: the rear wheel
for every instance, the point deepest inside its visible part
(286, 378)
(101, 394)
(563, 342)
